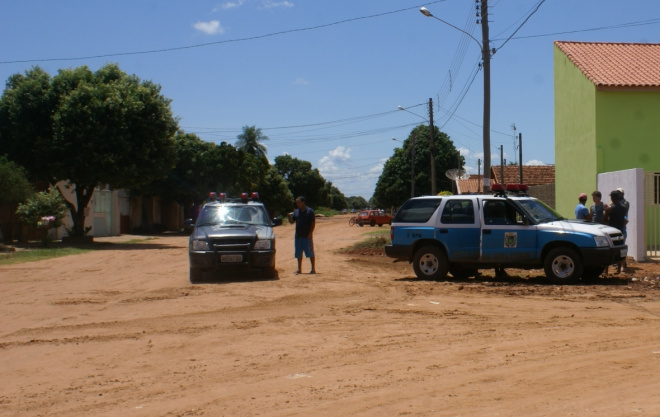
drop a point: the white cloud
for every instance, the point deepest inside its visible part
(232, 4)
(534, 162)
(269, 4)
(301, 81)
(340, 153)
(210, 28)
(329, 165)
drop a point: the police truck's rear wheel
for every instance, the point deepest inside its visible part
(430, 262)
(563, 266)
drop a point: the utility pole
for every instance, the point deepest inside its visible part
(479, 173)
(520, 158)
(502, 164)
(412, 167)
(485, 56)
(432, 146)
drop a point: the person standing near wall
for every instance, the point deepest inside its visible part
(616, 216)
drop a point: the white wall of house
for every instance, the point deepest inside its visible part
(632, 182)
(102, 212)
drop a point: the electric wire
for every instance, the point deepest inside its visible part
(202, 45)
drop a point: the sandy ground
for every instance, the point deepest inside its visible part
(121, 332)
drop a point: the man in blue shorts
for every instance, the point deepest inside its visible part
(305, 224)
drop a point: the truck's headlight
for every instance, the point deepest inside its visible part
(601, 241)
(263, 244)
(199, 245)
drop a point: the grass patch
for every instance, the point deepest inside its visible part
(23, 255)
(134, 241)
(371, 243)
(380, 232)
(40, 254)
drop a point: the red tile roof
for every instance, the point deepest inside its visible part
(532, 174)
(470, 185)
(616, 65)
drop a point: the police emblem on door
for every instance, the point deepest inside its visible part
(510, 240)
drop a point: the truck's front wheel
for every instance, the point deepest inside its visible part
(563, 266)
(430, 262)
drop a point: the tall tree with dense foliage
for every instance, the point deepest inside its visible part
(303, 180)
(250, 141)
(89, 128)
(202, 167)
(14, 189)
(393, 186)
(14, 185)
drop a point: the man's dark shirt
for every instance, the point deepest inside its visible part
(618, 214)
(304, 220)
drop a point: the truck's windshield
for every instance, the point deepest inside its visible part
(226, 215)
(539, 211)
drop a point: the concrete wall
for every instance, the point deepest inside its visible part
(632, 182)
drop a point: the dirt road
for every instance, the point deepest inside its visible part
(121, 332)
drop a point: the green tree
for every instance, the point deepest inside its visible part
(92, 128)
(25, 121)
(14, 185)
(45, 210)
(14, 188)
(337, 200)
(302, 180)
(275, 194)
(393, 186)
(250, 141)
(357, 202)
(202, 167)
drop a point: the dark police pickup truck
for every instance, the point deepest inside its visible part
(232, 235)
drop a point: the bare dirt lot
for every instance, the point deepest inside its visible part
(121, 332)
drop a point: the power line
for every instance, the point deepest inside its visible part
(538, 5)
(653, 21)
(203, 45)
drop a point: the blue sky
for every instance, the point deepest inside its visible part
(323, 79)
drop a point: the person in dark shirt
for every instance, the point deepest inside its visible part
(305, 221)
(616, 216)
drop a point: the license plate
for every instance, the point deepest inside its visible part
(231, 258)
(624, 253)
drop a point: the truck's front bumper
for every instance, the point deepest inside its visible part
(250, 260)
(603, 256)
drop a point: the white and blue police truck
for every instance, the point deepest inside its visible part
(464, 233)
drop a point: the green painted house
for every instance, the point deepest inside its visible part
(607, 113)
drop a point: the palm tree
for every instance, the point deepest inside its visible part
(250, 141)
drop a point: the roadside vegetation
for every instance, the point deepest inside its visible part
(32, 254)
(37, 254)
(372, 244)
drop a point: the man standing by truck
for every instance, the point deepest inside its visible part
(305, 221)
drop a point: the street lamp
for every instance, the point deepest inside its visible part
(485, 57)
(431, 142)
(412, 164)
